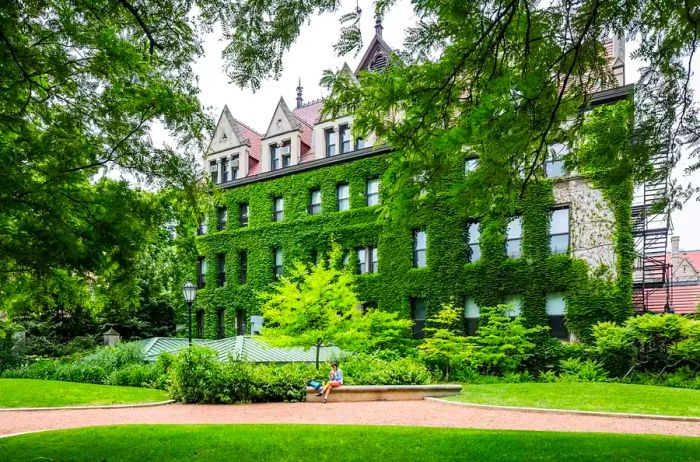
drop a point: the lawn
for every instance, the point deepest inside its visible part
(340, 443)
(49, 393)
(609, 397)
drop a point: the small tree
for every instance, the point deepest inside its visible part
(312, 307)
(377, 331)
(445, 346)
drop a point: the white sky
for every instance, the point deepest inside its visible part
(313, 52)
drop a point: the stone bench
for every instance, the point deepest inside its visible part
(385, 392)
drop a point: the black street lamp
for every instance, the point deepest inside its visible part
(189, 291)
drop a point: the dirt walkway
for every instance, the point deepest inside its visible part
(405, 413)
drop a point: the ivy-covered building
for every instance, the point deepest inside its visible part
(287, 193)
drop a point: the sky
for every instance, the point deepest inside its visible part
(313, 53)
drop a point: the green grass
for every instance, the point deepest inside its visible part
(608, 397)
(49, 393)
(336, 443)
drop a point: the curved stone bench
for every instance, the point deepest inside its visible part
(386, 392)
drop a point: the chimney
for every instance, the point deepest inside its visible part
(300, 100)
(378, 25)
(675, 254)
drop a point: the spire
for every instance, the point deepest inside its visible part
(378, 25)
(300, 100)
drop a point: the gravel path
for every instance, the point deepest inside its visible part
(405, 413)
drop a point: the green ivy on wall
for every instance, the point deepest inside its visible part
(448, 276)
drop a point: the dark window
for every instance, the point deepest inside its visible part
(367, 306)
(315, 202)
(200, 324)
(420, 239)
(243, 214)
(214, 170)
(240, 322)
(220, 320)
(418, 316)
(331, 142)
(473, 236)
(554, 165)
(368, 260)
(360, 143)
(224, 169)
(471, 317)
(202, 226)
(372, 192)
(278, 268)
(221, 267)
(514, 237)
(221, 216)
(559, 231)
(243, 267)
(280, 155)
(343, 193)
(201, 271)
(278, 209)
(344, 132)
(235, 166)
(555, 307)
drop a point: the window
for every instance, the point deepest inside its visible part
(368, 260)
(343, 194)
(221, 267)
(201, 271)
(514, 237)
(471, 316)
(278, 209)
(234, 168)
(473, 236)
(220, 326)
(360, 143)
(559, 231)
(372, 192)
(240, 322)
(470, 165)
(331, 142)
(315, 202)
(243, 214)
(224, 170)
(515, 307)
(214, 170)
(555, 306)
(554, 165)
(278, 270)
(418, 316)
(200, 324)
(202, 226)
(366, 306)
(419, 246)
(221, 216)
(243, 267)
(280, 155)
(344, 132)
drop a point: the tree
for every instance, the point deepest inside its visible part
(311, 307)
(445, 346)
(504, 78)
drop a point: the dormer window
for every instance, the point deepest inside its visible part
(331, 142)
(224, 170)
(379, 62)
(280, 155)
(344, 131)
(214, 170)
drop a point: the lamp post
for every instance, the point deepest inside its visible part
(189, 291)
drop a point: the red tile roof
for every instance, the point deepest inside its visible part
(684, 298)
(254, 167)
(693, 257)
(310, 112)
(254, 139)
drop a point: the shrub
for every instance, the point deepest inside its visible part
(582, 371)
(135, 375)
(365, 369)
(445, 348)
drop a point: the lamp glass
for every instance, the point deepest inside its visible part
(189, 291)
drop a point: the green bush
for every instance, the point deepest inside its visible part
(684, 377)
(366, 369)
(582, 371)
(135, 375)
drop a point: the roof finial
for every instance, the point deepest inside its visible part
(300, 100)
(378, 25)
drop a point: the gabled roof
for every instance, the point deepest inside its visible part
(237, 134)
(282, 120)
(376, 45)
(310, 112)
